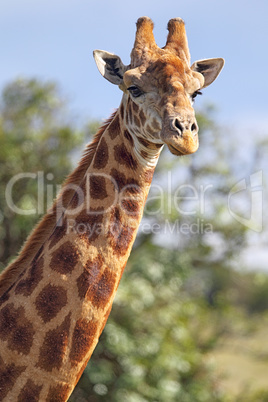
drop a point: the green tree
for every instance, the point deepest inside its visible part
(37, 143)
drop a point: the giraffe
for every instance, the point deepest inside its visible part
(55, 298)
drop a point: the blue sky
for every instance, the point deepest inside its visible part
(55, 40)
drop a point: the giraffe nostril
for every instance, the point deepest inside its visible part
(194, 127)
(178, 125)
(181, 126)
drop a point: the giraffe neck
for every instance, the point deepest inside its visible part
(60, 304)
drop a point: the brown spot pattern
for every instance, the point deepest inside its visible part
(144, 154)
(16, 329)
(54, 346)
(8, 321)
(142, 117)
(146, 143)
(83, 337)
(77, 199)
(119, 178)
(114, 127)
(64, 258)
(67, 194)
(100, 293)
(27, 285)
(89, 275)
(101, 156)
(128, 136)
(131, 186)
(124, 157)
(120, 235)
(135, 107)
(4, 298)
(131, 207)
(158, 145)
(97, 187)
(83, 283)
(22, 339)
(30, 392)
(8, 377)
(50, 301)
(58, 393)
(148, 175)
(149, 144)
(89, 224)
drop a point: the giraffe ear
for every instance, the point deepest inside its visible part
(110, 66)
(209, 68)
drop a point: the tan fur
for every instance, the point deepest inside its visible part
(47, 223)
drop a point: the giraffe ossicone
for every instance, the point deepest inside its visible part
(56, 296)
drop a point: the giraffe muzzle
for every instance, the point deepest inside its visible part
(181, 136)
(181, 127)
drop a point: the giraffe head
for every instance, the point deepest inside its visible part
(160, 85)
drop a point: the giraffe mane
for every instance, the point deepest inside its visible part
(47, 223)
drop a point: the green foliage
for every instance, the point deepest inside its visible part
(37, 141)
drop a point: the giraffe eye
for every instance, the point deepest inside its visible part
(135, 91)
(194, 95)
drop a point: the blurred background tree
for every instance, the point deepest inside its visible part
(37, 139)
(182, 300)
